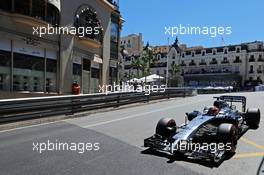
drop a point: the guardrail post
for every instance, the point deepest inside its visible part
(118, 101)
(72, 108)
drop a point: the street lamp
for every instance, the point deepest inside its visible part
(124, 54)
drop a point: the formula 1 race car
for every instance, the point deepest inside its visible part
(210, 135)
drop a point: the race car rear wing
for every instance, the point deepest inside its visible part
(231, 99)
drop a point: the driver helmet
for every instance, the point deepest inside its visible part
(213, 111)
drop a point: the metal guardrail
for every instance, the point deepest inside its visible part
(21, 109)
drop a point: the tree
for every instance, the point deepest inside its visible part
(137, 64)
(176, 78)
(147, 59)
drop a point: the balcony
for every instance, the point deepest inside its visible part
(183, 64)
(237, 61)
(192, 64)
(202, 63)
(213, 62)
(259, 71)
(210, 72)
(260, 60)
(155, 65)
(252, 60)
(225, 62)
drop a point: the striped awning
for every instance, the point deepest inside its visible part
(56, 3)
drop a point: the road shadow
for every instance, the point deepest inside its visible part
(181, 158)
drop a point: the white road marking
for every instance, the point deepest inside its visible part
(31, 126)
(140, 114)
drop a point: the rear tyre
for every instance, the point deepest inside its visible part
(166, 127)
(252, 118)
(228, 134)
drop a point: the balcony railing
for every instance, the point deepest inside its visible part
(252, 60)
(192, 64)
(153, 65)
(225, 62)
(260, 60)
(204, 72)
(237, 61)
(213, 62)
(260, 71)
(202, 64)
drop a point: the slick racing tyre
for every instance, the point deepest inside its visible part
(166, 127)
(228, 134)
(252, 118)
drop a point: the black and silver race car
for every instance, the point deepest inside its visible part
(209, 135)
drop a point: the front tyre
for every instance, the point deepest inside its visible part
(252, 118)
(166, 127)
(228, 134)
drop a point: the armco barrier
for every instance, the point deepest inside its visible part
(20, 109)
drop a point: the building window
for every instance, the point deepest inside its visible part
(225, 61)
(237, 60)
(157, 72)
(77, 72)
(158, 56)
(28, 73)
(5, 63)
(203, 53)
(202, 62)
(51, 75)
(115, 37)
(192, 63)
(86, 65)
(214, 52)
(252, 58)
(238, 50)
(260, 59)
(225, 52)
(251, 70)
(192, 54)
(165, 72)
(214, 61)
(173, 56)
(95, 73)
(183, 55)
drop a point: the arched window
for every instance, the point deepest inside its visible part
(87, 18)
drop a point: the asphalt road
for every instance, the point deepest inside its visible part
(114, 142)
